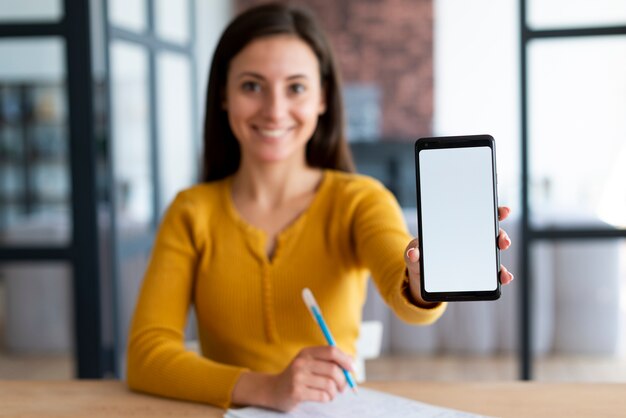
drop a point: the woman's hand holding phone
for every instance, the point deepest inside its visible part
(412, 260)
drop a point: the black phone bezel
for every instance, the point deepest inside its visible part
(463, 141)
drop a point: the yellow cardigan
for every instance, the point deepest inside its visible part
(249, 309)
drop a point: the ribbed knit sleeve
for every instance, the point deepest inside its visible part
(157, 360)
(380, 238)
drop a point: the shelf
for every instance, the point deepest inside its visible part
(34, 144)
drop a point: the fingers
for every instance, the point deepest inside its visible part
(331, 372)
(506, 277)
(317, 373)
(314, 374)
(503, 212)
(504, 241)
(327, 377)
(322, 384)
(329, 354)
(310, 394)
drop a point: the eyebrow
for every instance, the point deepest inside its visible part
(260, 77)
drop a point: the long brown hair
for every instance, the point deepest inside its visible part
(328, 147)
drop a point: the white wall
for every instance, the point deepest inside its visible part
(476, 77)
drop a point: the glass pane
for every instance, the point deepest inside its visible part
(128, 14)
(131, 267)
(363, 111)
(577, 103)
(586, 307)
(172, 20)
(34, 140)
(176, 137)
(36, 321)
(33, 59)
(552, 14)
(131, 135)
(30, 10)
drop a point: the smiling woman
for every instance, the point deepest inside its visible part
(327, 147)
(273, 99)
(279, 210)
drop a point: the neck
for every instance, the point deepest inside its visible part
(271, 185)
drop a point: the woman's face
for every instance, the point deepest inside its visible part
(273, 98)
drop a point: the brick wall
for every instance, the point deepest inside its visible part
(388, 43)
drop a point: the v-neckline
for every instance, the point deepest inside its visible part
(261, 236)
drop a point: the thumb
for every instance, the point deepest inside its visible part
(412, 257)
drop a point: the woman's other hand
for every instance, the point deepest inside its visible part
(314, 374)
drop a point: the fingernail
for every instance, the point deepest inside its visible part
(512, 277)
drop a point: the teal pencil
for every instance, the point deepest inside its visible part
(311, 303)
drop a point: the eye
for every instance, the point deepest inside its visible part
(297, 88)
(251, 86)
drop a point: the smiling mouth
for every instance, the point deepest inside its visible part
(273, 133)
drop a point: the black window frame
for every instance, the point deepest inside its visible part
(529, 233)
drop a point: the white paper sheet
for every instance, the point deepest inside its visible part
(368, 403)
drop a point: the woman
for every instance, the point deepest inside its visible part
(279, 210)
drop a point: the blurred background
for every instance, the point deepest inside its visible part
(101, 109)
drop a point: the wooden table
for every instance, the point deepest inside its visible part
(105, 398)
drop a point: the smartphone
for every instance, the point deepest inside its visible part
(457, 215)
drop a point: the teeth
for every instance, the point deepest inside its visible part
(273, 133)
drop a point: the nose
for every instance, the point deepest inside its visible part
(276, 105)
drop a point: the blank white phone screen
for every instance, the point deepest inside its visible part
(458, 219)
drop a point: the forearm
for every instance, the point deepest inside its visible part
(161, 366)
